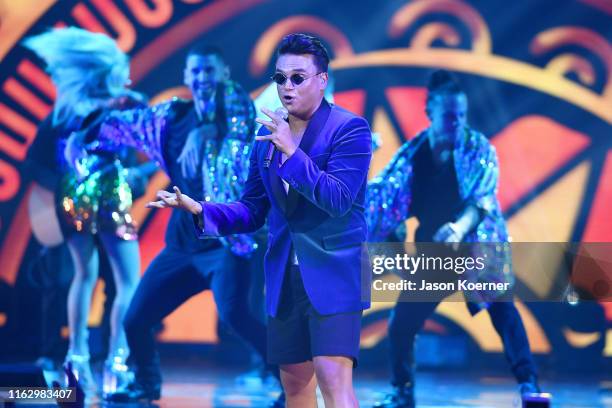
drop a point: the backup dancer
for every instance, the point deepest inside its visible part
(93, 194)
(203, 145)
(447, 178)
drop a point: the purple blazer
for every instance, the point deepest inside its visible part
(322, 215)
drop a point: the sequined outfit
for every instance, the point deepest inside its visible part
(160, 132)
(389, 198)
(98, 200)
(97, 196)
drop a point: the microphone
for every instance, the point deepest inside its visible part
(283, 113)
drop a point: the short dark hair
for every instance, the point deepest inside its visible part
(206, 49)
(442, 82)
(300, 43)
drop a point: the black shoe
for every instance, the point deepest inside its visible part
(400, 397)
(135, 392)
(280, 401)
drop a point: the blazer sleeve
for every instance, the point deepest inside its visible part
(335, 189)
(247, 214)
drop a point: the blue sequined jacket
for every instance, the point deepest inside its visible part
(389, 198)
(225, 161)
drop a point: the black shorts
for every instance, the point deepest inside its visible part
(298, 333)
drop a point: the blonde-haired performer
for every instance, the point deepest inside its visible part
(91, 186)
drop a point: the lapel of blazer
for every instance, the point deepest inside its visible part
(276, 183)
(310, 138)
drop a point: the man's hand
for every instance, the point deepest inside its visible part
(189, 159)
(449, 232)
(456, 231)
(176, 200)
(281, 134)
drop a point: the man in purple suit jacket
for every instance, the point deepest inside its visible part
(312, 194)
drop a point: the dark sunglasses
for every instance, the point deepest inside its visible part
(296, 79)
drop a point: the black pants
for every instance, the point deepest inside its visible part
(407, 318)
(171, 279)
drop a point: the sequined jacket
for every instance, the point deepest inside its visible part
(225, 161)
(388, 202)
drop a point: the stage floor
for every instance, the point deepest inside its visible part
(197, 384)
